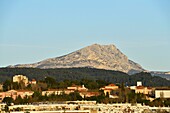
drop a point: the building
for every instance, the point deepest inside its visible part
(83, 102)
(69, 90)
(78, 88)
(132, 87)
(1, 87)
(15, 93)
(66, 107)
(83, 91)
(2, 107)
(109, 88)
(162, 93)
(33, 81)
(88, 94)
(20, 79)
(83, 94)
(139, 83)
(86, 107)
(144, 90)
(53, 91)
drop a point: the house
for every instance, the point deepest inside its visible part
(109, 88)
(56, 92)
(89, 94)
(33, 81)
(69, 90)
(113, 96)
(141, 89)
(24, 93)
(162, 93)
(144, 90)
(138, 83)
(20, 79)
(53, 91)
(78, 88)
(15, 93)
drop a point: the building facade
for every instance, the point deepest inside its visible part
(162, 93)
(78, 88)
(144, 90)
(15, 93)
(20, 79)
(109, 88)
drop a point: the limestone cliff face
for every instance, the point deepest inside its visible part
(95, 56)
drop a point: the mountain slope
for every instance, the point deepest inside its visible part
(95, 56)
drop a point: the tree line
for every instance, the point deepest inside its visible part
(77, 74)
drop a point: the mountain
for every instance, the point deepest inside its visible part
(161, 74)
(95, 56)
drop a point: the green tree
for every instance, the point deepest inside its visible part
(74, 96)
(7, 85)
(122, 96)
(15, 85)
(36, 96)
(132, 97)
(18, 100)
(22, 85)
(167, 102)
(51, 82)
(8, 100)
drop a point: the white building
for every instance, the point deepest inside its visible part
(79, 88)
(139, 83)
(53, 91)
(20, 78)
(162, 93)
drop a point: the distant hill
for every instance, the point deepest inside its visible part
(161, 74)
(95, 56)
(61, 74)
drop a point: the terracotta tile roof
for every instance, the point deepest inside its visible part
(11, 91)
(92, 93)
(140, 87)
(73, 85)
(108, 89)
(111, 85)
(54, 90)
(24, 91)
(149, 88)
(33, 80)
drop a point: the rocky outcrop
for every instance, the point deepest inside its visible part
(95, 56)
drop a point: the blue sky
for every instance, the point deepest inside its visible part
(34, 30)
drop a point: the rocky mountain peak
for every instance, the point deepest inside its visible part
(95, 56)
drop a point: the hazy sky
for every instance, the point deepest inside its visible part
(33, 30)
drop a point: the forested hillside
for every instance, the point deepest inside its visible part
(78, 74)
